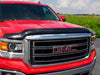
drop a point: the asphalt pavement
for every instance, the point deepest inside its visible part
(96, 70)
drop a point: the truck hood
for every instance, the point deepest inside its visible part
(21, 25)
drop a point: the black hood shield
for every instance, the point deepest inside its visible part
(22, 35)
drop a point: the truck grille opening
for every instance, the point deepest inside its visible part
(42, 51)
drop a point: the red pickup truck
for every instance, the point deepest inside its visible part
(34, 39)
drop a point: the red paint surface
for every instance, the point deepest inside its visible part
(62, 17)
(22, 2)
(18, 64)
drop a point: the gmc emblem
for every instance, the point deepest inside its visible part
(63, 49)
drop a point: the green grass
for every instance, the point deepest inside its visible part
(91, 22)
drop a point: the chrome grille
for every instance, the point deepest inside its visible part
(42, 50)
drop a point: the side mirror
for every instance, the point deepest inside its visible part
(63, 18)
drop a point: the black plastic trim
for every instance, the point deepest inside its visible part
(46, 31)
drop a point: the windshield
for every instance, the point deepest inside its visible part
(26, 12)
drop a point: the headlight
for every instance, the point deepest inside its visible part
(15, 47)
(11, 48)
(93, 40)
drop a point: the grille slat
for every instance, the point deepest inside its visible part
(59, 42)
(48, 55)
(42, 50)
(45, 47)
(48, 50)
(49, 60)
(53, 61)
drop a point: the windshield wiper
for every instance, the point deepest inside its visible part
(2, 20)
(10, 19)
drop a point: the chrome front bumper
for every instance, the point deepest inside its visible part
(75, 71)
